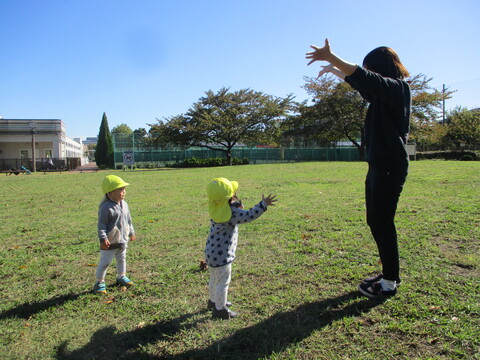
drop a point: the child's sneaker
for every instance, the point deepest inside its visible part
(211, 304)
(100, 288)
(225, 313)
(124, 281)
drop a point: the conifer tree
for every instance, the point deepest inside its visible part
(104, 150)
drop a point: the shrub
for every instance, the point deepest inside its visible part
(210, 162)
(446, 155)
(467, 157)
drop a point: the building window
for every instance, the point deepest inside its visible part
(48, 154)
(24, 154)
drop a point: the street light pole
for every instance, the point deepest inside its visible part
(33, 125)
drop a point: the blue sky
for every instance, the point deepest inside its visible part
(146, 59)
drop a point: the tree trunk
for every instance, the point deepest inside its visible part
(229, 157)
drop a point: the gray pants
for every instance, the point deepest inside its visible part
(218, 285)
(106, 258)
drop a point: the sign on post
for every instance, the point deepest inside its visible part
(128, 158)
(412, 150)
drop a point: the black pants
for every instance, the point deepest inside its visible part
(382, 191)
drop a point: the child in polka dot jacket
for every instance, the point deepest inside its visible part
(226, 213)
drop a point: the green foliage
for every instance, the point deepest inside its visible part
(338, 113)
(427, 102)
(463, 128)
(294, 280)
(221, 120)
(104, 148)
(140, 132)
(210, 162)
(446, 155)
(122, 129)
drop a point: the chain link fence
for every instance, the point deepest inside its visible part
(147, 155)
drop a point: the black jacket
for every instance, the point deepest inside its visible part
(388, 118)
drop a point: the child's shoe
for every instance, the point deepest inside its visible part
(100, 288)
(211, 304)
(225, 313)
(124, 281)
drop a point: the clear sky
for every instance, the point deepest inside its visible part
(139, 60)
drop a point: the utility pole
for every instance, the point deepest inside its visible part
(443, 91)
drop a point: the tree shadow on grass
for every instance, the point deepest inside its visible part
(261, 340)
(26, 310)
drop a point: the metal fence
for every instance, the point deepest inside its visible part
(146, 155)
(41, 164)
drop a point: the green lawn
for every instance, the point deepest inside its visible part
(294, 280)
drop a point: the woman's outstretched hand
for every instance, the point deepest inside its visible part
(319, 54)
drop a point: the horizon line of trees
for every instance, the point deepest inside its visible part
(336, 112)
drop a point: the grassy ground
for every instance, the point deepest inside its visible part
(294, 281)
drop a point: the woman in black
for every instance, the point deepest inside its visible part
(381, 82)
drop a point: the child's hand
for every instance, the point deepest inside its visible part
(105, 245)
(270, 199)
(133, 237)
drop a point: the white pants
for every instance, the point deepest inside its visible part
(218, 286)
(106, 257)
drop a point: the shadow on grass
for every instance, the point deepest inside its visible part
(108, 343)
(257, 341)
(26, 310)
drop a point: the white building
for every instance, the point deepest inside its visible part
(18, 138)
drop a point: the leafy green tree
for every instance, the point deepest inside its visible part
(338, 111)
(104, 149)
(426, 129)
(219, 121)
(463, 128)
(140, 132)
(122, 129)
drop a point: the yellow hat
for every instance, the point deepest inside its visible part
(112, 182)
(219, 191)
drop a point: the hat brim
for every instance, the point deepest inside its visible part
(234, 186)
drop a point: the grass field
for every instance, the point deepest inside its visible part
(294, 280)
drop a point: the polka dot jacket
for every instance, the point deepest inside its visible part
(222, 239)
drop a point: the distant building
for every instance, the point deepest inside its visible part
(90, 140)
(51, 141)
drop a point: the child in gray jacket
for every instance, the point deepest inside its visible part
(115, 229)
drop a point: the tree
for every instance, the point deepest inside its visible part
(219, 121)
(122, 129)
(463, 128)
(104, 149)
(338, 111)
(140, 132)
(426, 129)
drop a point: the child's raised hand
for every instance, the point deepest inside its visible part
(270, 199)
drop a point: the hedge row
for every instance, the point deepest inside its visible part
(448, 155)
(210, 162)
